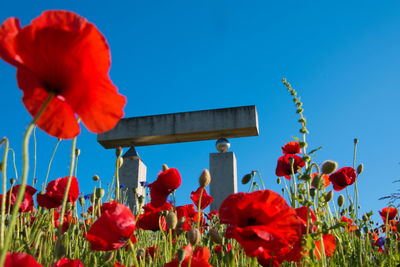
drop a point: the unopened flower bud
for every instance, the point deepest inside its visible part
(194, 236)
(181, 221)
(329, 167)
(329, 196)
(77, 152)
(82, 201)
(164, 167)
(306, 158)
(172, 220)
(118, 152)
(95, 178)
(99, 193)
(215, 236)
(317, 181)
(340, 200)
(246, 178)
(12, 181)
(205, 178)
(108, 256)
(278, 181)
(360, 168)
(355, 140)
(181, 255)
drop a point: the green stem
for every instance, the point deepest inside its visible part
(117, 180)
(3, 200)
(199, 208)
(259, 176)
(25, 169)
(355, 184)
(51, 160)
(34, 156)
(15, 166)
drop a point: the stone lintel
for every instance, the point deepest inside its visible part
(182, 127)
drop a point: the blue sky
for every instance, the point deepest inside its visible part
(175, 56)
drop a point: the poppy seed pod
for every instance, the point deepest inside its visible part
(194, 236)
(360, 168)
(164, 167)
(95, 178)
(172, 220)
(329, 167)
(329, 196)
(340, 200)
(246, 178)
(99, 193)
(118, 152)
(205, 178)
(77, 152)
(215, 236)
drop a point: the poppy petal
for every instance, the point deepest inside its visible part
(8, 31)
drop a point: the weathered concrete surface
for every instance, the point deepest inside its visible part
(182, 127)
(223, 177)
(132, 172)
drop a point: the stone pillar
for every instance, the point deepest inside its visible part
(223, 177)
(131, 174)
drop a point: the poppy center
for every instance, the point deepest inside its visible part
(251, 221)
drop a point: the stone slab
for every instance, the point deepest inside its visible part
(182, 127)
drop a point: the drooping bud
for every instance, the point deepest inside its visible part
(329, 196)
(172, 220)
(164, 167)
(194, 236)
(77, 152)
(329, 167)
(360, 168)
(340, 200)
(246, 178)
(12, 181)
(317, 181)
(95, 178)
(215, 236)
(118, 152)
(205, 178)
(99, 193)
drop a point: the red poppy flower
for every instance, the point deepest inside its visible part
(292, 147)
(212, 214)
(349, 224)
(388, 212)
(189, 212)
(64, 262)
(260, 221)
(199, 258)
(113, 229)
(55, 190)
(20, 260)
(62, 53)
(67, 221)
(342, 178)
(327, 182)
(285, 169)
(165, 183)
(27, 203)
(150, 219)
(205, 198)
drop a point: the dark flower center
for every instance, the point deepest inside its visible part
(251, 221)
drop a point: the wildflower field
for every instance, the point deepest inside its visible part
(62, 64)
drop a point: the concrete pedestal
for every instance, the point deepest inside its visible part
(223, 177)
(131, 174)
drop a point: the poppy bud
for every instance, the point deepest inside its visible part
(317, 181)
(95, 178)
(77, 152)
(329, 196)
(194, 236)
(99, 193)
(278, 181)
(340, 200)
(108, 256)
(329, 167)
(181, 221)
(302, 144)
(205, 178)
(181, 255)
(172, 220)
(120, 162)
(306, 158)
(312, 192)
(164, 167)
(360, 168)
(118, 152)
(215, 236)
(12, 181)
(246, 178)
(355, 140)
(82, 201)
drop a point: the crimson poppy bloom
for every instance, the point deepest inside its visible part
(260, 221)
(150, 219)
(342, 178)
(67, 221)
(205, 198)
(292, 147)
(191, 215)
(62, 53)
(113, 229)
(349, 224)
(20, 260)
(284, 168)
(27, 203)
(55, 190)
(327, 182)
(64, 262)
(388, 212)
(197, 258)
(166, 182)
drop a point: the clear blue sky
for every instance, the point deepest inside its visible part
(173, 56)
